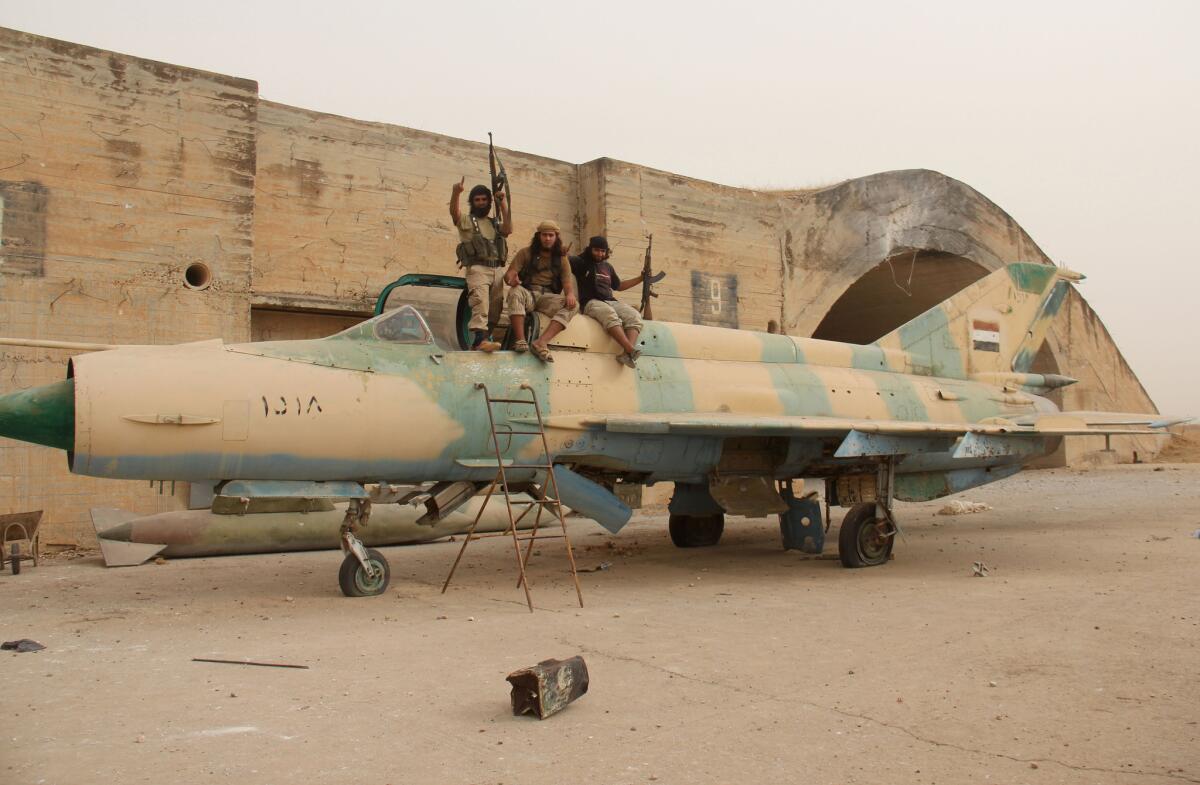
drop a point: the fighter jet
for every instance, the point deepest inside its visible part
(944, 403)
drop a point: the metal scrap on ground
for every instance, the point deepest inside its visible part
(250, 662)
(547, 688)
(25, 644)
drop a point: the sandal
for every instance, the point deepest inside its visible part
(629, 359)
(521, 346)
(541, 352)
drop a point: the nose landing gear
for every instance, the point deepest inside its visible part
(364, 571)
(364, 576)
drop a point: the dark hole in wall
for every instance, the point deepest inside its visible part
(197, 276)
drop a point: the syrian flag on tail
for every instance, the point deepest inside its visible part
(985, 336)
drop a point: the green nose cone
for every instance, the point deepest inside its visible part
(43, 415)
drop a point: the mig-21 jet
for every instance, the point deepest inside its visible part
(944, 403)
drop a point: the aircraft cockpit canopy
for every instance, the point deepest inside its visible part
(439, 305)
(403, 325)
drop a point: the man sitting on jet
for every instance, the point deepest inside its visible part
(540, 277)
(597, 282)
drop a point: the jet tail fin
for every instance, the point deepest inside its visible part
(995, 325)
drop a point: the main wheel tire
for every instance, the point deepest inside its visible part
(16, 558)
(696, 531)
(354, 580)
(861, 542)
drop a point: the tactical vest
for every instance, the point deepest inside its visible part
(479, 249)
(535, 265)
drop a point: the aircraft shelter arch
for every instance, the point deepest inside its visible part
(896, 290)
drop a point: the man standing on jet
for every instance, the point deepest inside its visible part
(541, 281)
(483, 250)
(597, 282)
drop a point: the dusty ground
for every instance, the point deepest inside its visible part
(1184, 447)
(1076, 661)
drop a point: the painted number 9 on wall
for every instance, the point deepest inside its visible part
(714, 299)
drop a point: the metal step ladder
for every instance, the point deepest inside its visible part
(549, 495)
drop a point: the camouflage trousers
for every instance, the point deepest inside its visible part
(522, 301)
(485, 294)
(611, 313)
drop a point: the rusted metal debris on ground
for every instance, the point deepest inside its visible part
(24, 645)
(250, 662)
(547, 688)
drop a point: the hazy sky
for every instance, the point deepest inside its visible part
(1080, 119)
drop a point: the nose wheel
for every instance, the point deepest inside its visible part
(364, 571)
(364, 578)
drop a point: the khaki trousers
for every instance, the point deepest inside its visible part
(614, 314)
(522, 301)
(485, 294)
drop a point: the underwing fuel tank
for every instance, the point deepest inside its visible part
(128, 539)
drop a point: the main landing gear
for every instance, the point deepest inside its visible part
(865, 539)
(696, 531)
(869, 529)
(364, 571)
(697, 521)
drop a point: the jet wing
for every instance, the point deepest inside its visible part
(726, 424)
(1111, 419)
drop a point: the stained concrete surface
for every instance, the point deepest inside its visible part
(1073, 662)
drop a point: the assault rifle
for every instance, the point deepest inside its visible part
(499, 176)
(648, 279)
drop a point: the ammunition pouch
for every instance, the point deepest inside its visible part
(480, 250)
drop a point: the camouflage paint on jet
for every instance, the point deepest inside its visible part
(382, 402)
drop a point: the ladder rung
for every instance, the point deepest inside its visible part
(521, 433)
(507, 533)
(527, 466)
(525, 401)
(519, 502)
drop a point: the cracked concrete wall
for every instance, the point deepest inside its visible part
(117, 174)
(719, 245)
(346, 206)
